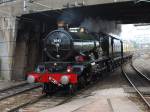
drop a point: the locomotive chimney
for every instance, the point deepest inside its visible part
(61, 24)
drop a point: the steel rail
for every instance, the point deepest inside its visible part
(16, 109)
(5, 94)
(14, 86)
(137, 90)
(6, 1)
(140, 72)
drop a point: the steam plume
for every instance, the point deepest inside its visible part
(99, 25)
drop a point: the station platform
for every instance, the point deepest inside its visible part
(106, 100)
(9, 84)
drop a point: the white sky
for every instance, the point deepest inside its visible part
(135, 33)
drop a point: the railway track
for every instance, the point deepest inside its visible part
(16, 108)
(12, 98)
(144, 70)
(7, 88)
(137, 80)
(140, 73)
(54, 101)
(9, 92)
(43, 102)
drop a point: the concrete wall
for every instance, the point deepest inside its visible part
(40, 5)
(18, 53)
(26, 54)
(20, 58)
(19, 7)
(8, 32)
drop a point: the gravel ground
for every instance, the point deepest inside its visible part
(14, 101)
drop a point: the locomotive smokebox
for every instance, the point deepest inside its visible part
(61, 44)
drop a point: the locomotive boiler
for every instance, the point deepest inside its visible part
(77, 58)
(63, 45)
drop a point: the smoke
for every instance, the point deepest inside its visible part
(99, 25)
(75, 18)
(70, 17)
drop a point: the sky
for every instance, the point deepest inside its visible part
(135, 33)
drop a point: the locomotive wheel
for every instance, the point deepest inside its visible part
(111, 68)
(72, 89)
(111, 65)
(48, 88)
(82, 82)
(88, 78)
(96, 77)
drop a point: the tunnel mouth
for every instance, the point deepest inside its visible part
(34, 27)
(126, 12)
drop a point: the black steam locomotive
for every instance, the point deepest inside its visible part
(76, 58)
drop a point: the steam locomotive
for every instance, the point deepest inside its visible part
(76, 58)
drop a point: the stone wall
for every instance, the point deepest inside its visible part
(19, 7)
(27, 52)
(8, 30)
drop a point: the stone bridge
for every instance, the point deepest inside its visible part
(13, 55)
